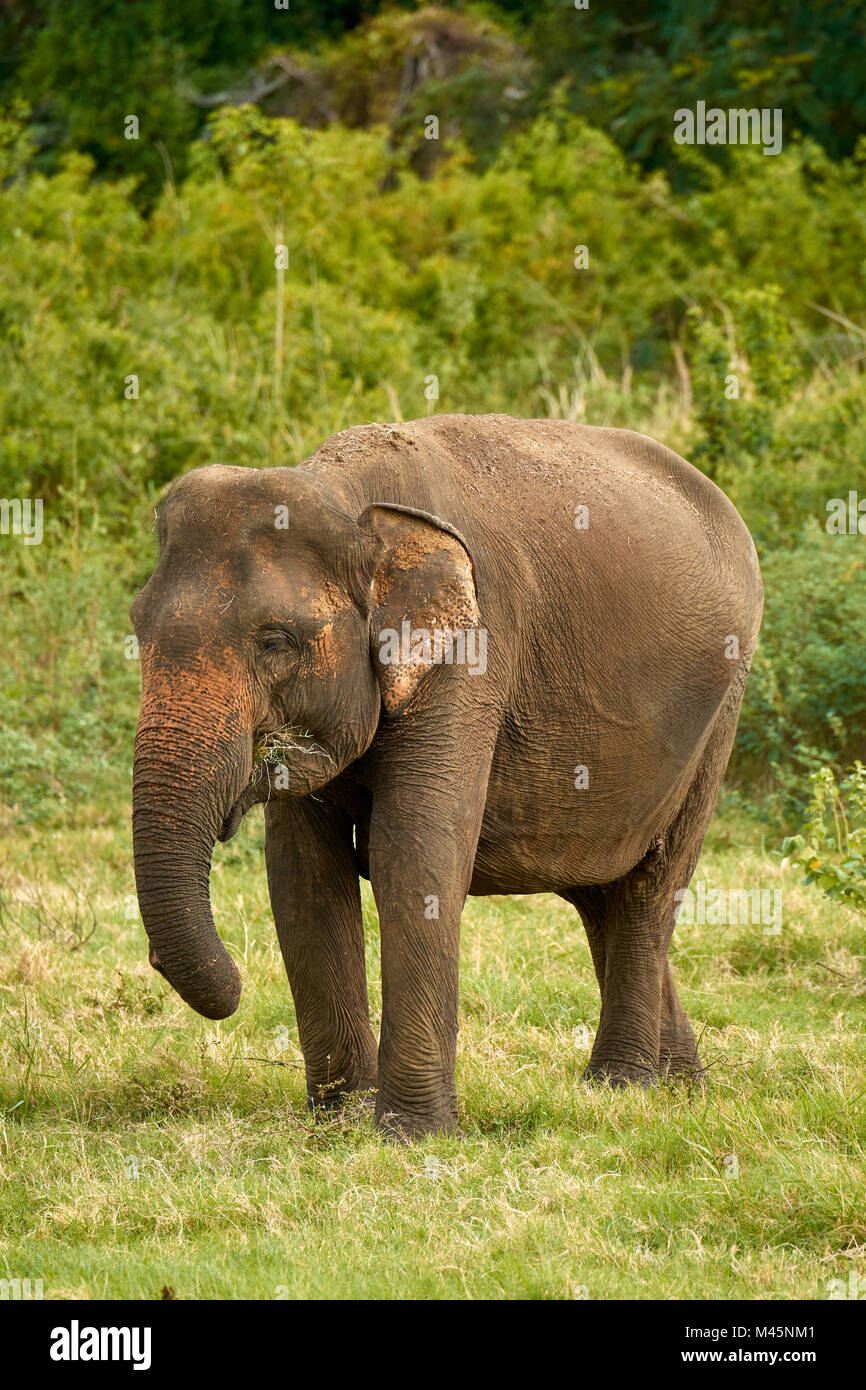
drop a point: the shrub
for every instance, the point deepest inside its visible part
(831, 846)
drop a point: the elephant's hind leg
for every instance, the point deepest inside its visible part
(644, 1031)
(678, 1052)
(678, 1048)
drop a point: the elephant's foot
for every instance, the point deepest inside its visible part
(682, 1066)
(335, 1101)
(402, 1126)
(619, 1074)
(679, 1059)
(356, 1078)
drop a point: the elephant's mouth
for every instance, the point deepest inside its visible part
(286, 764)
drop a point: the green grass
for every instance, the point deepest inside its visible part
(142, 1147)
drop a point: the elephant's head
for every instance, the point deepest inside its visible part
(260, 627)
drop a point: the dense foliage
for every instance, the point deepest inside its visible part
(624, 66)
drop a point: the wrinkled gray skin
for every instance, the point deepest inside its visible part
(618, 640)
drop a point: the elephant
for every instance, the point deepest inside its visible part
(492, 656)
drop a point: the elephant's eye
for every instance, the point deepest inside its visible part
(276, 640)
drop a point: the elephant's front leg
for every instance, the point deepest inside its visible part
(316, 901)
(423, 836)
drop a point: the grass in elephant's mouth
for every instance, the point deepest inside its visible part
(272, 749)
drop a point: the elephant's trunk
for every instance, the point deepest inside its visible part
(187, 772)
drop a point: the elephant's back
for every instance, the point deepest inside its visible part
(529, 467)
(596, 506)
(564, 512)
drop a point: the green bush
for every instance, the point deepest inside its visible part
(70, 683)
(805, 702)
(831, 846)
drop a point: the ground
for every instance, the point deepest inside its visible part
(146, 1152)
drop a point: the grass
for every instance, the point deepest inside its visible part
(272, 749)
(143, 1148)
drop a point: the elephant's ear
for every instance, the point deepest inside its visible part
(421, 597)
